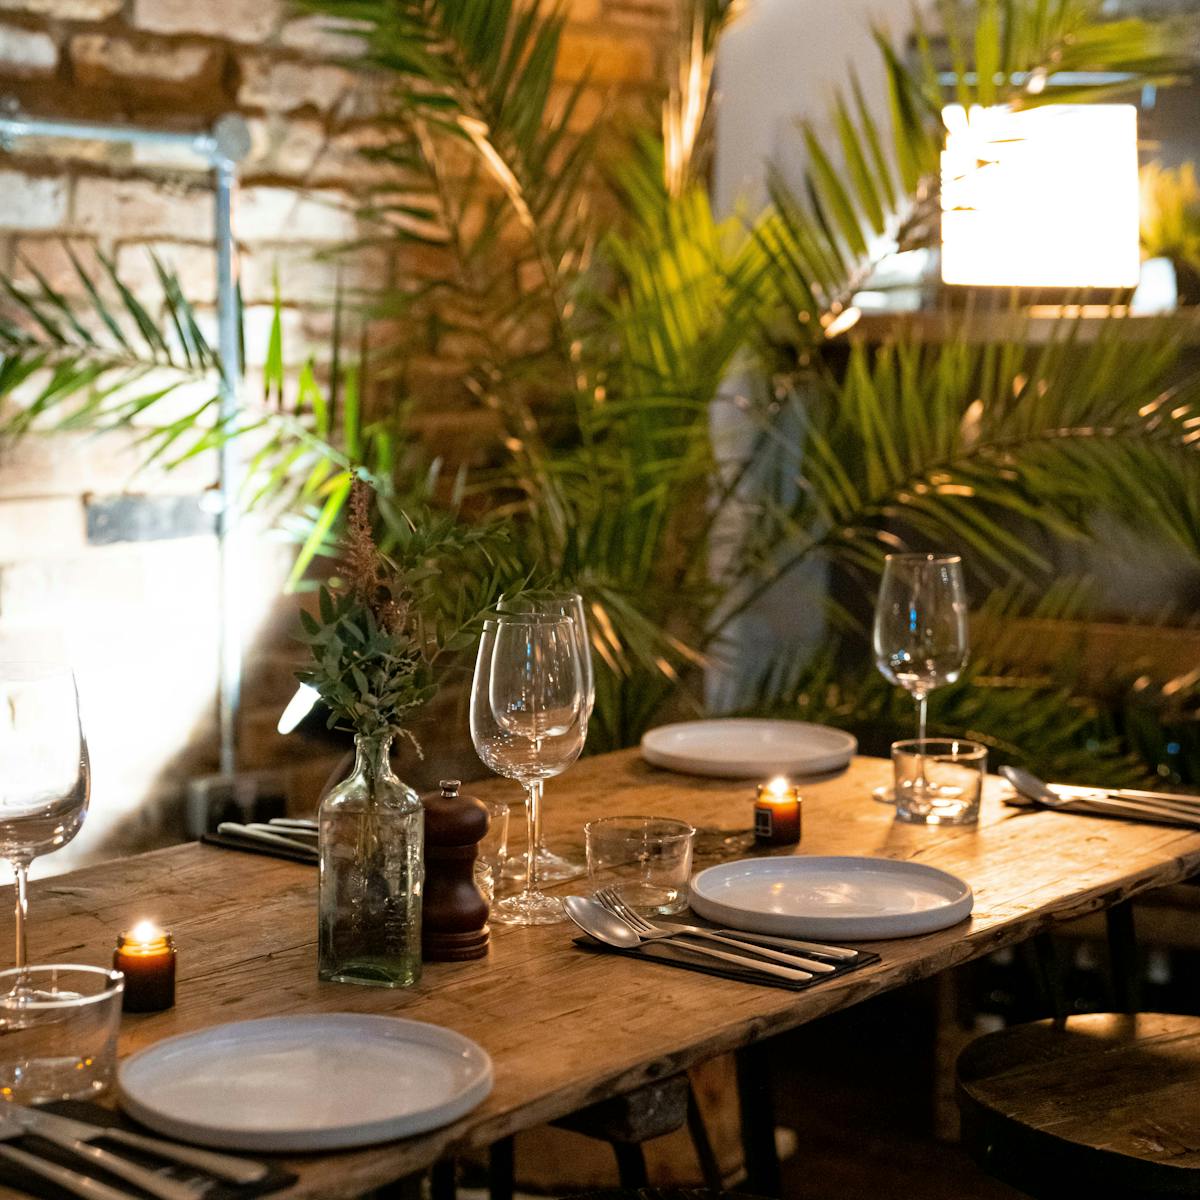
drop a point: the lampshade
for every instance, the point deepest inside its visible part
(1044, 197)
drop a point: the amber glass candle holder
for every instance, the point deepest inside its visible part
(145, 955)
(777, 813)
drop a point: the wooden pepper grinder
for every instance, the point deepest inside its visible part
(454, 917)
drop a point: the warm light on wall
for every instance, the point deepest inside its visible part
(1046, 197)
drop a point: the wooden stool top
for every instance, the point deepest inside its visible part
(1110, 1098)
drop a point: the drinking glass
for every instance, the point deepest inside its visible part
(44, 773)
(58, 1032)
(920, 632)
(527, 723)
(554, 867)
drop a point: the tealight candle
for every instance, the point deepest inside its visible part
(777, 813)
(146, 957)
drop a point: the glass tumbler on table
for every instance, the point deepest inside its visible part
(939, 781)
(920, 629)
(44, 773)
(555, 867)
(648, 860)
(58, 1032)
(528, 724)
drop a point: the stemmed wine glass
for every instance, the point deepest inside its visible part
(44, 773)
(920, 632)
(528, 724)
(554, 867)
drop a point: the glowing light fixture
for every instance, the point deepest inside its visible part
(1045, 197)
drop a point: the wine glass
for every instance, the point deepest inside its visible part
(527, 724)
(44, 773)
(554, 867)
(920, 631)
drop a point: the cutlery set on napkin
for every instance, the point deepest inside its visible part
(728, 953)
(1127, 804)
(78, 1149)
(283, 837)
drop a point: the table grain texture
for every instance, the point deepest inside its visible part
(566, 1028)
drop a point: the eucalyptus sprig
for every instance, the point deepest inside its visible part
(370, 677)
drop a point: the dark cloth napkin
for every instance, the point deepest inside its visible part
(15, 1176)
(675, 954)
(227, 842)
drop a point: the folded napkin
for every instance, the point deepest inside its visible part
(675, 954)
(229, 842)
(217, 1189)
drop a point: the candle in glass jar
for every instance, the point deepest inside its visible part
(777, 813)
(146, 957)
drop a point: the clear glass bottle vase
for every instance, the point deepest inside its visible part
(372, 874)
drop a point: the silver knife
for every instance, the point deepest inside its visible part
(301, 833)
(1078, 791)
(840, 953)
(234, 829)
(224, 1166)
(143, 1177)
(68, 1180)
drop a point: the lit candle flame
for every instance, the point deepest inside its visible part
(778, 787)
(145, 932)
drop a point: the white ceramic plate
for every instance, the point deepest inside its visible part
(839, 899)
(746, 748)
(321, 1082)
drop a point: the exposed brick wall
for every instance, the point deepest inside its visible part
(138, 618)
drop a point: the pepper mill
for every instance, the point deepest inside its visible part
(454, 918)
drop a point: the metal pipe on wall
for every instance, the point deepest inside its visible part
(222, 147)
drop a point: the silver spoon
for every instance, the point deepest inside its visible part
(594, 919)
(1041, 793)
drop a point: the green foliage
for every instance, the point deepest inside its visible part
(607, 311)
(370, 677)
(1171, 213)
(107, 362)
(389, 624)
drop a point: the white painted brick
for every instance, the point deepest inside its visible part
(235, 20)
(275, 214)
(194, 264)
(66, 10)
(39, 528)
(326, 36)
(29, 202)
(26, 51)
(140, 208)
(283, 86)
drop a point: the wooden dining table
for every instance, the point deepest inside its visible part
(564, 1027)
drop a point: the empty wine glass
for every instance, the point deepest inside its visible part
(553, 868)
(920, 631)
(44, 774)
(527, 724)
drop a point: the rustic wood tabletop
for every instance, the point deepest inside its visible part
(564, 1027)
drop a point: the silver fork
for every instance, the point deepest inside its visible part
(610, 899)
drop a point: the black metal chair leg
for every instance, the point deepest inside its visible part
(710, 1169)
(1041, 957)
(408, 1188)
(443, 1182)
(631, 1165)
(758, 1121)
(501, 1170)
(1123, 965)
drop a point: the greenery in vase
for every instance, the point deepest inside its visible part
(384, 624)
(368, 665)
